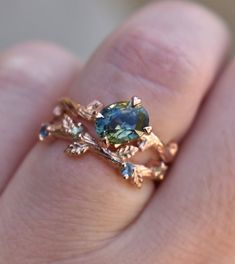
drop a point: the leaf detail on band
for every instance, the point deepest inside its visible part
(68, 124)
(77, 149)
(127, 152)
(138, 179)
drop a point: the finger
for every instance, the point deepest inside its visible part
(162, 65)
(32, 76)
(194, 210)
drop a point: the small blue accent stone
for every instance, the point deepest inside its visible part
(43, 133)
(127, 170)
(76, 131)
(122, 122)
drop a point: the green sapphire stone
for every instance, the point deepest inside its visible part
(122, 122)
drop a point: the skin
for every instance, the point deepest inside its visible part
(56, 210)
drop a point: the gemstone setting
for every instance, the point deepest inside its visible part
(76, 131)
(43, 133)
(128, 170)
(122, 122)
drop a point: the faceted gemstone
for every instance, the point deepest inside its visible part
(43, 133)
(121, 122)
(76, 131)
(127, 170)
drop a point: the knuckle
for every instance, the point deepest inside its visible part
(17, 68)
(142, 54)
(32, 65)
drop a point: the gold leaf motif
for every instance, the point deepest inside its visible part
(68, 124)
(138, 179)
(127, 152)
(64, 125)
(77, 149)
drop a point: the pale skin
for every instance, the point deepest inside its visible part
(57, 210)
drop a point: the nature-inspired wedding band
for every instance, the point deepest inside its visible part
(122, 130)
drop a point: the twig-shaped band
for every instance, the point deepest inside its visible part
(67, 124)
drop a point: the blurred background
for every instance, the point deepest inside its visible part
(79, 25)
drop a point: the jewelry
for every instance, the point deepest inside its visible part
(123, 130)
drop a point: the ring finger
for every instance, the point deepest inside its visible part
(159, 55)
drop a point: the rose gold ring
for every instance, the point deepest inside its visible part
(122, 130)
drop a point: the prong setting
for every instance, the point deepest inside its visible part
(99, 115)
(105, 141)
(123, 130)
(148, 129)
(135, 101)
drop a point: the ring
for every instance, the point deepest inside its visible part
(122, 130)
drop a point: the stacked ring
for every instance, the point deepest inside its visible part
(123, 130)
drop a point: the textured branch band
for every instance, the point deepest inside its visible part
(123, 130)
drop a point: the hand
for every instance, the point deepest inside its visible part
(57, 210)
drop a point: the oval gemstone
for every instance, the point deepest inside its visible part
(121, 122)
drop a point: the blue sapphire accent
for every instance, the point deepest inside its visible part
(43, 133)
(122, 122)
(76, 131)
(127, 170)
